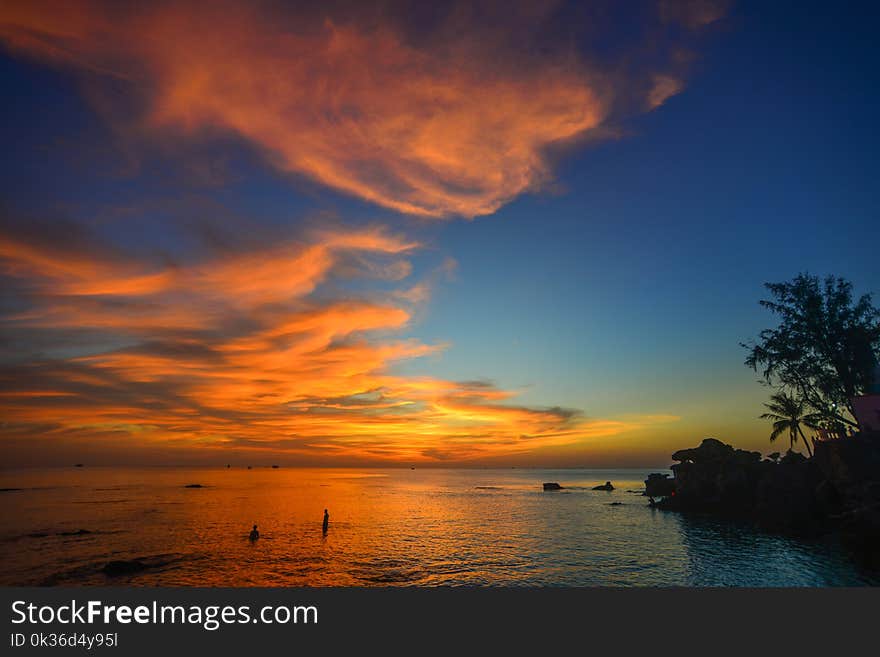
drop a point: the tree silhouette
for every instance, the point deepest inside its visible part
(788, 414)
(824, 349)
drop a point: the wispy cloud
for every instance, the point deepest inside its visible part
(452, 114)
(451, 111)
(243, 352)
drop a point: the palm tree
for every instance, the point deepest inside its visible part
(789, 414)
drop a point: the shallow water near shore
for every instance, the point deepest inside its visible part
(395, 527)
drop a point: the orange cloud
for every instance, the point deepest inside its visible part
(252, 351)
(458, 124)
(247, 352)
(664, 88)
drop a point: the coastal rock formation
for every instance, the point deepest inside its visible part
(606, 486)
(838, 488)
(659, 485)
(552, 485)
(850, 487)
(716, 477)
(785, 498)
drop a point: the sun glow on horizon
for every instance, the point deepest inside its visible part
(241, 352)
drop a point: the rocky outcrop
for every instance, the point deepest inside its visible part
(552, 485)
(606, 486)
(785, 498)
(659, 485)
(716, 477)
(850, 489)
(837, 489)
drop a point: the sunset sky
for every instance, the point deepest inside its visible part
(341, 233)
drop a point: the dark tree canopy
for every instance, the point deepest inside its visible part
(824, 349)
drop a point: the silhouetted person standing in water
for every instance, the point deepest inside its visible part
(326, 521)
(254, 534)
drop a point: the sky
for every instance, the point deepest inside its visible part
(432, 234)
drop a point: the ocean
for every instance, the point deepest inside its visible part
(390, 527)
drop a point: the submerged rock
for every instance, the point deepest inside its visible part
(552, 485)
(117, 568)
(124, 567)
(78, 532)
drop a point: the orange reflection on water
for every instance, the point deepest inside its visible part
(386, 527)
(398, 527)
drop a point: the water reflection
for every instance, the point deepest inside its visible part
(394, 527)
(725, 553)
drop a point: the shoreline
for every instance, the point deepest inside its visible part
(834, 492)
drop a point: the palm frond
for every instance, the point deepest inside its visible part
(779, 428)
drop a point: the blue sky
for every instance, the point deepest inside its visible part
(623, 289)
(641, 277)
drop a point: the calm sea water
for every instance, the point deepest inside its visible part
(387, 527)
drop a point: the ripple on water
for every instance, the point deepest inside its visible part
(405, 528)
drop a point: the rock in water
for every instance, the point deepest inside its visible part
(117, 568)
(552, 485)
(606, 486)
(137, 565)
